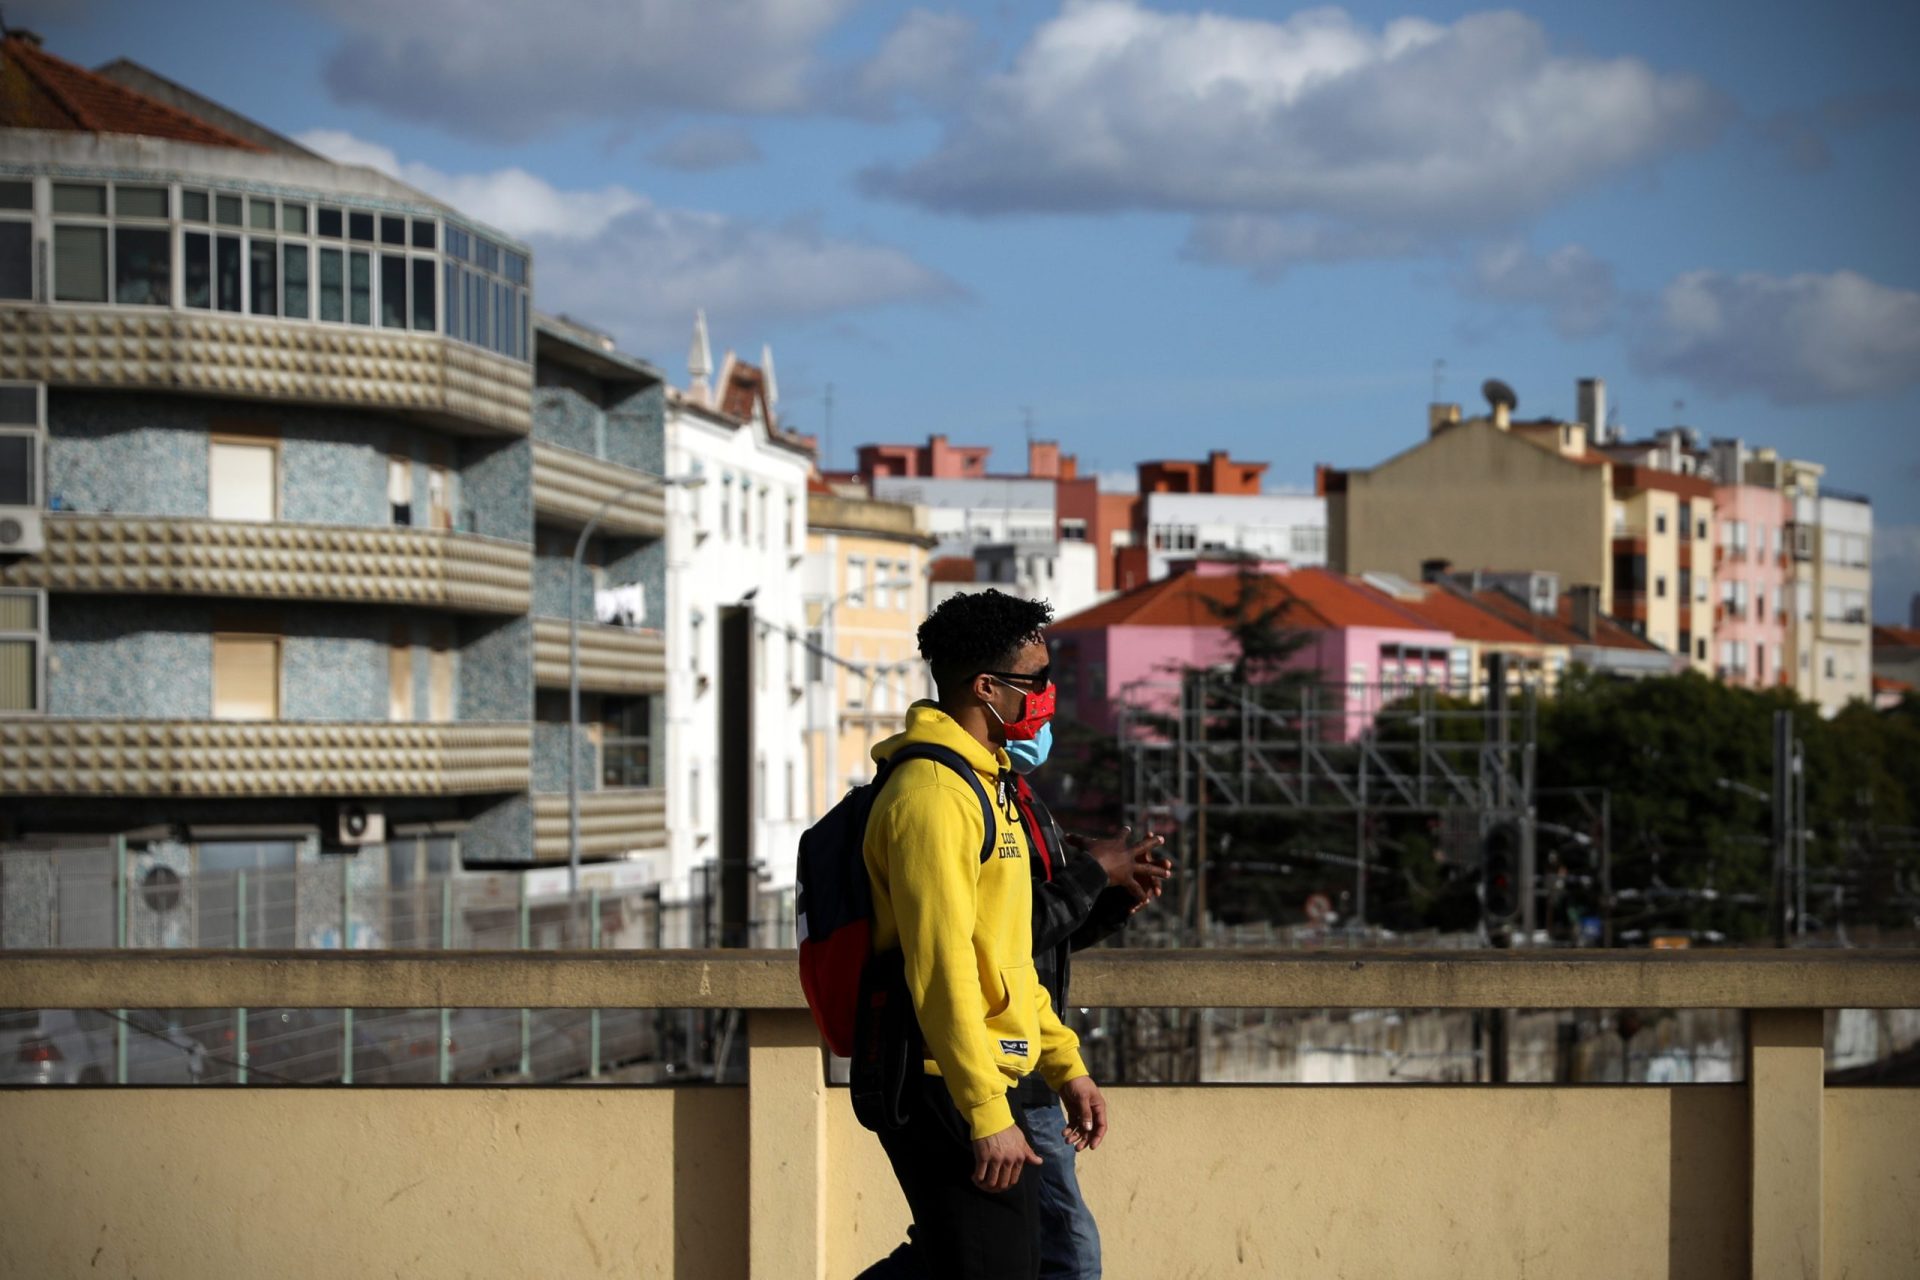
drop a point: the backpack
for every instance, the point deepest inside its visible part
(834, 903)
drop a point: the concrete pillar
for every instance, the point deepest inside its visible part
(786, 1146)
(1786, 1082)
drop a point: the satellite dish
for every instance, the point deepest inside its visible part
(1499, 393)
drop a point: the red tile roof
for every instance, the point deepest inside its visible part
(1468, 618)
(40, 91)
(952, 569)
(1313, 599)
(1559, 628)
(1890, 637)
(1887, 684)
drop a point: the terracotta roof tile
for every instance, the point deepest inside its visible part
(952, 569)
(1315, 599)
(1469, 619)
(1891, 637)
(40, 91)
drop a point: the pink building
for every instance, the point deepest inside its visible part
(1132, 648)
(1751, 571)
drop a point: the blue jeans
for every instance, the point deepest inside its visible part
(1069, 1239)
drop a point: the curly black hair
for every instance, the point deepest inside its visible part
(979, 631)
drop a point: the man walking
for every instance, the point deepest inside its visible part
(964, 927)
(1083, 892)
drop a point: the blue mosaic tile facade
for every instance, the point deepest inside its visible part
(564, 416)
(334, 664)
(146, 659)
(495, 679)
(131, 455)
(636, 432)
(499, 833)
(496, 479)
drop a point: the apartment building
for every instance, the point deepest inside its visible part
(288, 468)
(866, 595)
(1483, 492)
(737, 724)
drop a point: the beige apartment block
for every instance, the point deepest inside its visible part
(867, 564)
(1493, 493)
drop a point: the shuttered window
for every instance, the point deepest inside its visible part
(246, 677)
(241, 481)
(20, 643)
(440, 679)
(400, 676)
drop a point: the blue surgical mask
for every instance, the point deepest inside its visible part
(1028, 754)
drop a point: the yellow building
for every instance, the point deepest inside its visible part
(866, 595)
(1494, 493)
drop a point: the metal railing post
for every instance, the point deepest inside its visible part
(593, 1015)
(526, 1015)
(240, 944)
(122, 904)
(446, 944)
(346, 928)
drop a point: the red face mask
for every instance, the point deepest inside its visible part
(1036, 708)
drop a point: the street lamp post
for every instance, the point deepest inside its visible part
(573, 672)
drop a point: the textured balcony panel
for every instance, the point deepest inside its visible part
(267, 360)
(352, 564)
(612, 659)
(611, 823)
(569, 486)
(61, 757)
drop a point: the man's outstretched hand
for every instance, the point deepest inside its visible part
(999, 1159)
(1133, 865)
(1086, 1113)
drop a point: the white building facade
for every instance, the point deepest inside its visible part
(1289, 527)
(737, 537)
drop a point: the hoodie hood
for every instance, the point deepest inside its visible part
(926, 722)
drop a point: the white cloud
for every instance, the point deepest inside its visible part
(616, 259)
(1796, 339)
(510, 69)
(935, 58)
(704, 149)
(1267, 246)
(1575, 288)
(1414, 126)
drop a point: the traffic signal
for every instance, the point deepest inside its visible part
(1499, 873)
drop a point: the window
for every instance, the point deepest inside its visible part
(439, 497)
(16, 241)
(693, 641)
(22, 443)
(359, 288)
(763, 519)
(226, 273)
(760, 787)
(793, 541)
(143, 266)
(333, 285)
(242, 481)
(1660, 586)
(746, 502)
(393, 290)
(902, 585)
(793, 797)
(855, 679)
(1828, 666)
(1759, 661)
(400, 675)
(1460, 670)
(262, 278)
(856, 582)
(23, 647)
(816, 665)
(1700, 649)
(1073, 530)
(400, 489)
(626, 744)
(726, 506)
(440, 676)
(1686, 520)
(293, 262)
(79, 264)
(246, 677)
(1659, 522)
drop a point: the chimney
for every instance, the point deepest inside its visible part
(1434, 570)
(1442, 416)
(1502, 415)
(1043, 459)
(1586, 610)
(1593, 407)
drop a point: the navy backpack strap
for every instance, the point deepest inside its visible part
(955, 761)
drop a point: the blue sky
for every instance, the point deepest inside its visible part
(1171, 227)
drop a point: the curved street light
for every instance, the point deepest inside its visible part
(651, 481)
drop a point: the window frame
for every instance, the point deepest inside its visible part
(232, 634)
(238, 436)
(36, 435)
(38, 637)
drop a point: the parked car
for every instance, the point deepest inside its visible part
(79, 1046)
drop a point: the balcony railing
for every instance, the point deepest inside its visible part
(611, 823)
(151, 349)
(1781, 1175)
(569, 486)
(58, 756)
(157, 555)
(612, 659)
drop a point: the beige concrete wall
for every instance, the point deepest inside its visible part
(1399, 1181)
(326, 1184)
(1484, 500)
(1872, 1185)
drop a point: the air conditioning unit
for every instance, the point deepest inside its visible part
(359, 824)
(21, 531)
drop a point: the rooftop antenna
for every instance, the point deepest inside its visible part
(1026, 417)
(1439, 377)
(1679, 408)
(826, 420)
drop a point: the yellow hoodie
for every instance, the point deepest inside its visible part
(965, 928)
